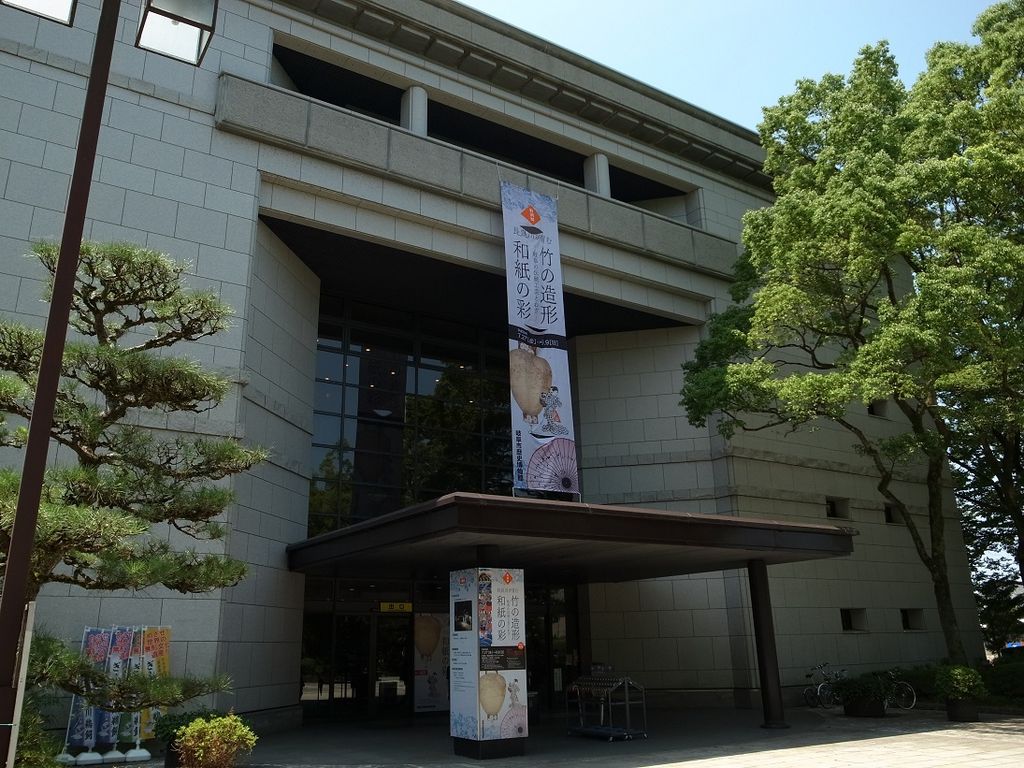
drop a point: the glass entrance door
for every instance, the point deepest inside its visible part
(392, 657)
(552, 644)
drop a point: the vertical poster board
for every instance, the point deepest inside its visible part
(431, 638)
(488, 654)
(543, 440)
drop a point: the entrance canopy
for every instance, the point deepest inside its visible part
(558, 541)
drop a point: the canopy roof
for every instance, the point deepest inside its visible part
(558, 541)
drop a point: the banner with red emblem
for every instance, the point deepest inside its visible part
(543, 438)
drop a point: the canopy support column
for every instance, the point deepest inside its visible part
(764, 639)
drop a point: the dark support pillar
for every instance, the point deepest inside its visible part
(487, 555)
(764, 639)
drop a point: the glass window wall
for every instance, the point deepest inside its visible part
(406, 408)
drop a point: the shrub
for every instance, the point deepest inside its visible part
(921, 677)
(1005, 679)
(957, 683)
(168, 725)
(36, 747)
(867, 688)
(213, 743)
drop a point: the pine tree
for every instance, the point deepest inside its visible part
(121, 494)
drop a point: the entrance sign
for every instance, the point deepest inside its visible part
(543, 440)
(488, 661)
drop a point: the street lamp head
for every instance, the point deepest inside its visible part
(180, 29)
(62, 11)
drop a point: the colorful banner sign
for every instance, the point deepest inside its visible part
(117, 651)
(488, 654)
(83, 725)
(431, 638)
(156, 662)
(543, 440)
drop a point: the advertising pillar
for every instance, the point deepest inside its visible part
(487, 607)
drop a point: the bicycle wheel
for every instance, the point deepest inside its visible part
(904, 696)
(810, 696)
(826, 696)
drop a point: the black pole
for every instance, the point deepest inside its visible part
(16, 574)
(764, 639)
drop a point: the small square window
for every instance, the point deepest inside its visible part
(912, 618)
(892, 515)
(838, 508)
(853, 619)
(879, 408)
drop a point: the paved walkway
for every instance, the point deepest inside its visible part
(704, 739)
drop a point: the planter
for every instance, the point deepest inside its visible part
(962, 710)
(172, 759)
(864, 709)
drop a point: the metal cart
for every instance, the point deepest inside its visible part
(604, 707)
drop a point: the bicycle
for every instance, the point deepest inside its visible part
(821, 692)
(903, 694)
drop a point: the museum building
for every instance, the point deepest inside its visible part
(332, 170)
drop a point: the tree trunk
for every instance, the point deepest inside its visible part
(947, 614)
(936, 561)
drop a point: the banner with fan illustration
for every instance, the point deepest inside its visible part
(543, 439)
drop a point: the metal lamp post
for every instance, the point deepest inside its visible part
(180, 29)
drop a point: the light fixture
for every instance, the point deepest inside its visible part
(180, 29)
(61, 11)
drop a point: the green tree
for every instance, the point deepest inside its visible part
(1001, 611)
(890, 267)
(121, 494)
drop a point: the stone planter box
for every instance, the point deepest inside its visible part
(962, 711)
(864, 709)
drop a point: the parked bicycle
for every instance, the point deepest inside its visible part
(903, 694)
(821, 692)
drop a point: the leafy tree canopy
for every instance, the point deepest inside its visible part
(890, 267)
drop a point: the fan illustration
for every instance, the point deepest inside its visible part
(553, 467)
(513, 724)
(530, 377)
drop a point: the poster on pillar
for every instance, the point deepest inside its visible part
(543, 439)
(488, 654)
(430, 636)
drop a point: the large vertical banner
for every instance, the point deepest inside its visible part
(488, 654)
(543, 441)
(431, 638)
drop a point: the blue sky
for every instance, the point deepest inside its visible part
(733, 57)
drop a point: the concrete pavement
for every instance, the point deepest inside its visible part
(695, 739)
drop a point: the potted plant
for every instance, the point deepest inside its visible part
(214, 742)
(866, 695)
(167, 726)
(961, 687)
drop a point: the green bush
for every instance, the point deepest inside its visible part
(213, 743)
(1005, 679)
(867, 688)
(168, 725)
(36, 747)
(959, 683)
(921, 677)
